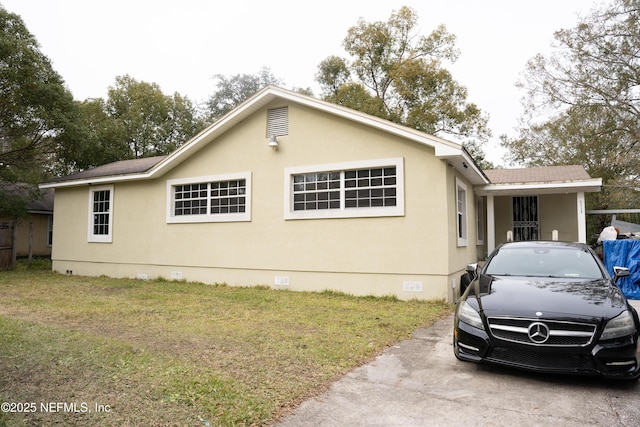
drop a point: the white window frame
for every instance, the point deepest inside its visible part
(227, 217)
(361, 212)
(100, 238)
(461, 213)
(480, 228)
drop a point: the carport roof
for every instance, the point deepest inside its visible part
(539, 180)
(538, 174)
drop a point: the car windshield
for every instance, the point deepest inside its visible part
(565, 262)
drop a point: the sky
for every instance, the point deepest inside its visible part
(181, 45)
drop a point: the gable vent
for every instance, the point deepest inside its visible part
(278, 122)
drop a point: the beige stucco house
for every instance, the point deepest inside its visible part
(296, 193)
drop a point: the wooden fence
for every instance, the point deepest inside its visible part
(7, 246)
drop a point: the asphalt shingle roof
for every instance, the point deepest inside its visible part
(123, 167)
(537, 174)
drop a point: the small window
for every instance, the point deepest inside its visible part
(461, 212)
(101, 214)
(219, 198)
(355, 189)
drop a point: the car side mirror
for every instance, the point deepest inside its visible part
(470, 274)
(619, 272)
(472, 270)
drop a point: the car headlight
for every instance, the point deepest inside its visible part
(620, 326)
(468, 315)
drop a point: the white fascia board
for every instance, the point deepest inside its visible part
(445, 151)
(592, 185)
(94, 181)
(472, 164)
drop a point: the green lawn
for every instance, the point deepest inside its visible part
(101, 351)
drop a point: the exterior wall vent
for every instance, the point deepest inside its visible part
(278, 122)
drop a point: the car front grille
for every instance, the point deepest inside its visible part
(537, 332)
(547, 361)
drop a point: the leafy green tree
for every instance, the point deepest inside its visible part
(37, 113)
(399, 76)
(103, 142)
(233, 91)
(136, 120)
(357, 97)
(333, 72)
(582, 103)
(148, 122)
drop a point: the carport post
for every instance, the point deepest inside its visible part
(491, 226)
(582, 219)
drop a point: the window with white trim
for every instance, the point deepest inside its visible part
(101, 214)
(354, 189)
(461, 212)
(216, 198)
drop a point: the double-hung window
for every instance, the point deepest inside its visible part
(101, 214)
(354, 189)
(217, 198)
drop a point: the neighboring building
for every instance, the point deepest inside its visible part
(295, 193)
(34, 232)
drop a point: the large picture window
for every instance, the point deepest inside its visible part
(101, 214)
(354, 189)
(218, 198)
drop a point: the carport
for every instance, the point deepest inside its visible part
(540, 203)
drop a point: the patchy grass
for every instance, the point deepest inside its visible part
(102, 351)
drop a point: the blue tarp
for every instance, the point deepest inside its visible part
(624, 253)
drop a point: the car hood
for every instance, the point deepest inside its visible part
(553, 297)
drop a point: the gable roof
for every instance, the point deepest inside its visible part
(154, 167)
(539, 180)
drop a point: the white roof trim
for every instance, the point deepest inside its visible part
(587, 186)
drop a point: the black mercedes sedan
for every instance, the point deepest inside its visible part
(548, 307)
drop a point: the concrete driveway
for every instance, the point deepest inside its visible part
(419, 382)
